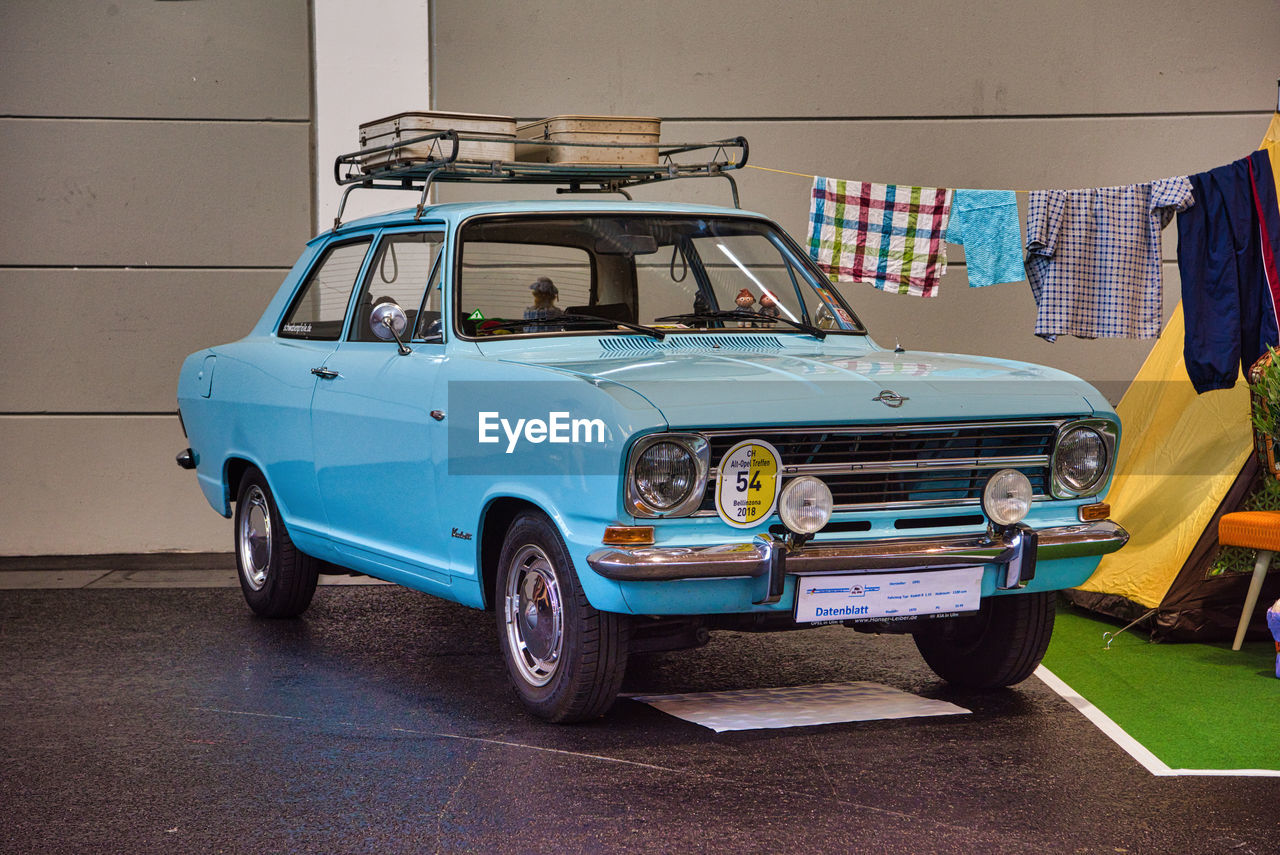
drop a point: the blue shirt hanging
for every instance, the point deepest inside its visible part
(986, 223)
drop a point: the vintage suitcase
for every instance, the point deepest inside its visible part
(623, 133)
(496, 133)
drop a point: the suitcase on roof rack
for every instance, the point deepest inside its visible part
(491, 137)
(611, 139)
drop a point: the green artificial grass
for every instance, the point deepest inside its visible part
(1195, 706)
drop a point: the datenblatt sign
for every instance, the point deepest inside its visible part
(747, 483)
(888, 596)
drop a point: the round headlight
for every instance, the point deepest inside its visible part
(805, 504)
(664, 475)
(1080, 460)
(1007, 497)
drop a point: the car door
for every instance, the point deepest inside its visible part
(374, 436)
(278, 427)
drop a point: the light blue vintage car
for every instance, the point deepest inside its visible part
(620, 425)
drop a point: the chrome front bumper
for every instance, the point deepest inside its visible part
(1018, 550)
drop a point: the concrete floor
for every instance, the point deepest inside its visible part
(169, 719)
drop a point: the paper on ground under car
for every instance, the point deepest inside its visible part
(797, 706)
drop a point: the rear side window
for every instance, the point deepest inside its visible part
(321, 305)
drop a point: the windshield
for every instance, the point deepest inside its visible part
(587, 274)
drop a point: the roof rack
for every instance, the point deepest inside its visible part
(389, 168)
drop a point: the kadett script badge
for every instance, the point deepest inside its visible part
(747, 488)
(891, 398)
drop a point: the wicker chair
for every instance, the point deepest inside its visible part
(1258, 530)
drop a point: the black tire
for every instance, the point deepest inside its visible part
(565, 658)
(999, 646)
(278, 581)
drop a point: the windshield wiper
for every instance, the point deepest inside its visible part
(733, 315)
(580, 317)
(640, 328)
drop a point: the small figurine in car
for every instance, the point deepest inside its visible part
(746, 305)
(769, 306)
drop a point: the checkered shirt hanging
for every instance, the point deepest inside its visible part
(1094, 260)
(889, 235)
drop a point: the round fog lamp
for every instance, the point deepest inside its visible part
(1007, 497)
(805, 505)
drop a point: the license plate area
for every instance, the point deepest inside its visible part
(888, 596)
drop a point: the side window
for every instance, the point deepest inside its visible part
(405, 270)
(321, 305)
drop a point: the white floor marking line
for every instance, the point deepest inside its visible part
(526, 746)
(246, 712)
(1135, 749)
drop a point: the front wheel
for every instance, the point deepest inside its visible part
(565, 658)
(999, 646)
(277, 580)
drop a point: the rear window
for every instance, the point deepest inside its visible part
(321, 305)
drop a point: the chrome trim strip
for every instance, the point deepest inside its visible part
(737, 560)
(748, 432)
(897, 466)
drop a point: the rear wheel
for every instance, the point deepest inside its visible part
(999, 646)
(277, 580)
(565, 658)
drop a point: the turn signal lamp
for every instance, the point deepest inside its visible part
(628, 535)
(1094, 512)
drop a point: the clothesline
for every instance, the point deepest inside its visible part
(812, 177)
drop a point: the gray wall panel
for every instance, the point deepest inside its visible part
(89, 485)
(120, 335)
(159, 158)
(155, 193)
(139, 58)
(814, 58)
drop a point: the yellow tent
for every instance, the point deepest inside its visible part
(1179, 454)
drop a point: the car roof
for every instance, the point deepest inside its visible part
(453, 213)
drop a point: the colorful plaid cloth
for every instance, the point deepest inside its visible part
(1093, 258)
(889, 235)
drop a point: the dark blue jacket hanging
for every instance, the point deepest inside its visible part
(1227, 242)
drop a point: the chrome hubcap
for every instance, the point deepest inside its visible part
(254, 538)
(534, 615)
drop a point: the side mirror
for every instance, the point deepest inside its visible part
(388, 321)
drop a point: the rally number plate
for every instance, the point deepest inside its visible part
(888, 596)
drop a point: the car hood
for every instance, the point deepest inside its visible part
(725, 389)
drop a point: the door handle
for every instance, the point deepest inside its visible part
(324, 373)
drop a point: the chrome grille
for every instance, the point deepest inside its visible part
(902, 465)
